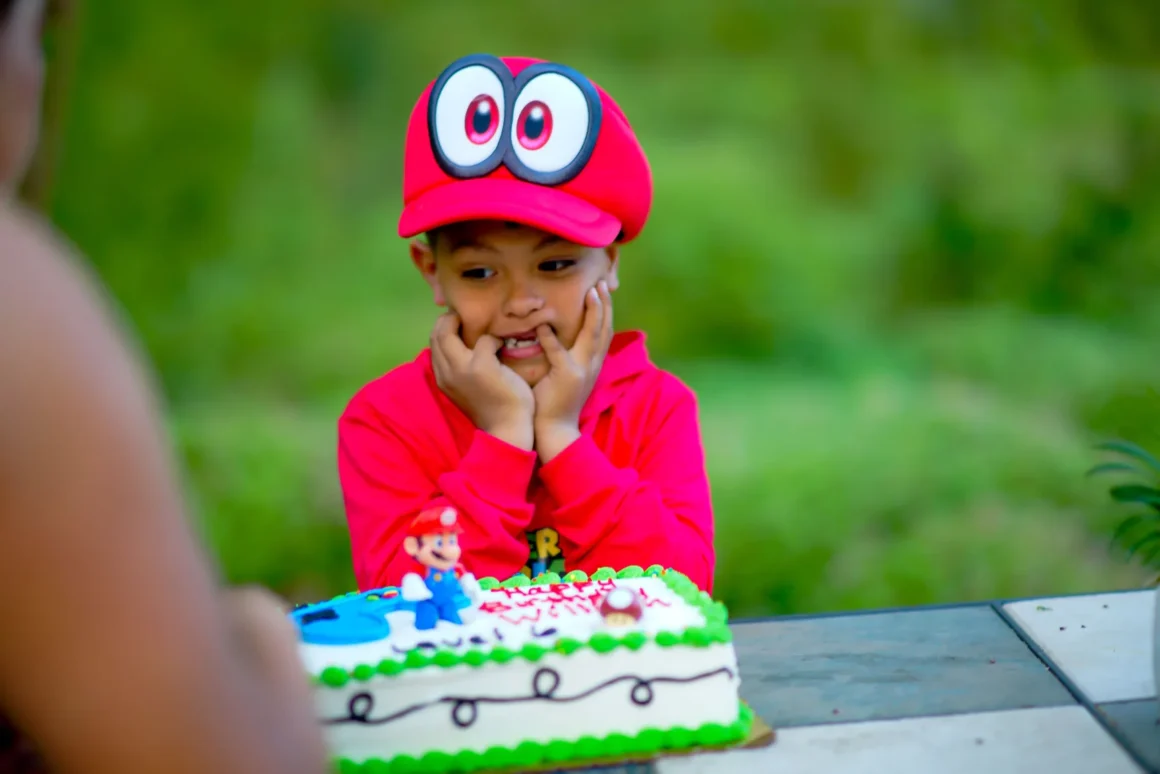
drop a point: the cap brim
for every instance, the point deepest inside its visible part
(548, 209)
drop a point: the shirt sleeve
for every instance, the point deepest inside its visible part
(387, 480)
(657, 511)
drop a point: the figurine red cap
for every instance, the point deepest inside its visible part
(520, 139)
(435, 521)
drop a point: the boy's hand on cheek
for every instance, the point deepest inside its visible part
(562, 393)
(494, 396)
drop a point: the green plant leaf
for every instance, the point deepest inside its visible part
(1139, 544)
(1136, 493)
(1149, 559)
(1129, 449)
(1127, 525)
(1115, 467)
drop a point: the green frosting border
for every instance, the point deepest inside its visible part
(715, 631)
(648, 742)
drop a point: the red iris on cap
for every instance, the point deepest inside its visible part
(534, 125)
(482, 119)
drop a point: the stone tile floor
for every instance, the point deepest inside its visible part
(1062, 684)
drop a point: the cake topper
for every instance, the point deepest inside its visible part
(433, 541)
(621, 607)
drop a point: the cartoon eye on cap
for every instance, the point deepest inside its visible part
(468, 114)
(542, 125)
(555, 122)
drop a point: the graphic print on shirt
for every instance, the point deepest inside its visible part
(544, 553)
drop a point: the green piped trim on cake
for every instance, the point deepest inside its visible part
(715, 631)
(648, 742)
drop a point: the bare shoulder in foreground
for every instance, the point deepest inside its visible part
(120, 652)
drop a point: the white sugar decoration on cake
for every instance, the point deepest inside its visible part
(536, 673)
(620, 599)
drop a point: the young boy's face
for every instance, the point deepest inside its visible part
(506, 279)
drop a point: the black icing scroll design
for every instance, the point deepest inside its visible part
(545, 684)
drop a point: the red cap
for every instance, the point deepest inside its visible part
(435, 521)
(523, 140)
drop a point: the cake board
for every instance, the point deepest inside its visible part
(760, 735)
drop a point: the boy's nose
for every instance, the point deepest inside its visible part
(523, 301)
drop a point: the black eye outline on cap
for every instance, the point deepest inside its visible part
(577, 162)
(504, 152)
(504, 102)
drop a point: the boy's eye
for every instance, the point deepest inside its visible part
(480, 273)
(558, 264)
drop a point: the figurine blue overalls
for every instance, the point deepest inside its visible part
(444, 588)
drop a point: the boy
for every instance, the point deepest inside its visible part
(548, 434)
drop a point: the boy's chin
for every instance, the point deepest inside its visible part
(531, 370)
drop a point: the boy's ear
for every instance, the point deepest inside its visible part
(424, 259)
(613, 252)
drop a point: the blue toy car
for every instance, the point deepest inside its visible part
(354, 618)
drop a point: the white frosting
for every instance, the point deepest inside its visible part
(604, 711)
(620, 598)
(514, 617)
(586, 693)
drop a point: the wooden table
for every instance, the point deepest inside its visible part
(1059, 685)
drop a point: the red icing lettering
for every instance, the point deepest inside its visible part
(532, 603)
(529, 617)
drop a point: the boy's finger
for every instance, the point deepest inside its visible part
(446, 335)
(444, 324)
(487, 346)
(439, 362)
(607, 329)
(553, 349)
(587, 340)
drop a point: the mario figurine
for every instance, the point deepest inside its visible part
(433, 541)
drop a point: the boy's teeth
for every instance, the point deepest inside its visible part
(516, 343)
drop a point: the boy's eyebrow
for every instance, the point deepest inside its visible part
(551, 240)
(459, 243)
(467, 240)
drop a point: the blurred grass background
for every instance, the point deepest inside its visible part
(905, 251)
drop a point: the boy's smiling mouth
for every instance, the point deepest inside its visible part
(521, 345)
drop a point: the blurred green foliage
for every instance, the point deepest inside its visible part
(905, 251)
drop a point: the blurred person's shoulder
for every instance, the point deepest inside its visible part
(48, 300)
(32, 255)
(42, 275)
(61, 335)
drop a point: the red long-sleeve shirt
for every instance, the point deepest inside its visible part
(632, 489)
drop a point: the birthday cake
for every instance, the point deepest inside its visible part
(443, 673)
